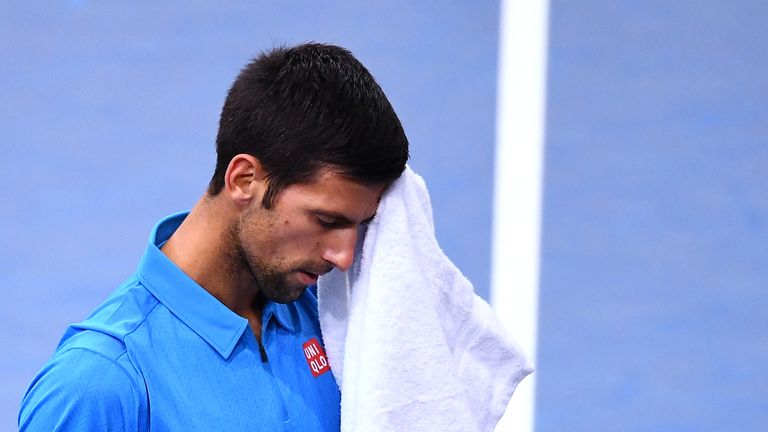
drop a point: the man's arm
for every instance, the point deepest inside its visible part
(82, 390)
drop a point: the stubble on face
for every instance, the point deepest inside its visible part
(253, 262)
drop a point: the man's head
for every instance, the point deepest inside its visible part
(308, 107)
(307, 144)
(311, 228)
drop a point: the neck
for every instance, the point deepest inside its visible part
(202, 248)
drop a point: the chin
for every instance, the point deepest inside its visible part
(287, 295)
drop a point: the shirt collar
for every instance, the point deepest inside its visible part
(191, 303)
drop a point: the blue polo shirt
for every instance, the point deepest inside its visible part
(162, 354)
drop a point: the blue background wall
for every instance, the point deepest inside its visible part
(654, 312)
(109, 110)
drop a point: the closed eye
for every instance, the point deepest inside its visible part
(327, 221)
(336, 221)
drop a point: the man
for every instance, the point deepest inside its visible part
(216, 330)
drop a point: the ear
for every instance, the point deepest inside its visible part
(245, 180)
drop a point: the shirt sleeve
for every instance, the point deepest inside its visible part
(81, 390)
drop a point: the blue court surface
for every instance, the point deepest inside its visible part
(655, 231)
(654, 242)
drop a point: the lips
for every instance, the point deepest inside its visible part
(307, 278)
(309, 275)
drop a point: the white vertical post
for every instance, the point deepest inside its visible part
(518, 178)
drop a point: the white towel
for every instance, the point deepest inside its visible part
(410, 344)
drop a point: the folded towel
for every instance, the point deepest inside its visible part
(410, 344)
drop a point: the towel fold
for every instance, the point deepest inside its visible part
(410, 344)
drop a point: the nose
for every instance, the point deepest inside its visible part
(339, 248)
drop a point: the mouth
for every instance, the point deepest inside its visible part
(310, 274)
(308, 278)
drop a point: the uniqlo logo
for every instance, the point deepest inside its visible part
(316, 359)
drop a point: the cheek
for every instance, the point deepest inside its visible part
(297, 237)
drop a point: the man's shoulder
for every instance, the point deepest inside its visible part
(119, 316)
(91, 369)
(91, 378)
(83, 389)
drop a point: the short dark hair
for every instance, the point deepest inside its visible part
(303, 108)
